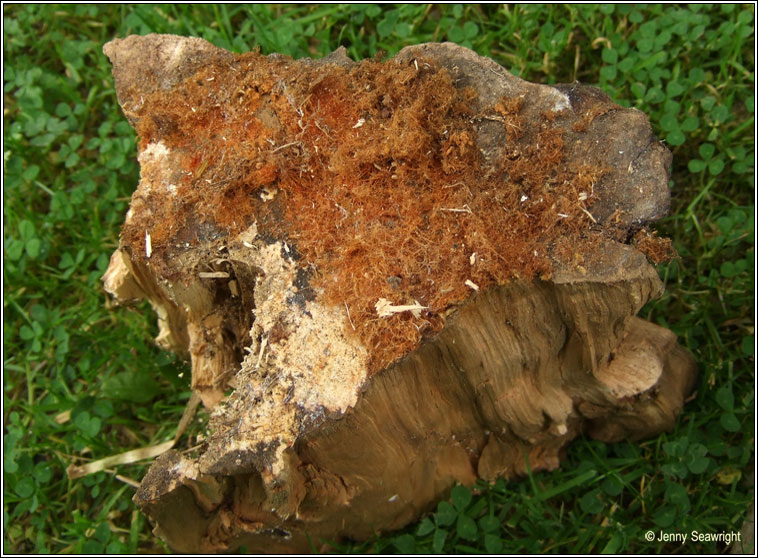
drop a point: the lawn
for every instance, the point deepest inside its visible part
(83, 379)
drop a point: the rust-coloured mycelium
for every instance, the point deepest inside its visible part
(371, 173)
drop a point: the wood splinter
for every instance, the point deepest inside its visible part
(384, 308)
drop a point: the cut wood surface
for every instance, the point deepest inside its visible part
(409, 274)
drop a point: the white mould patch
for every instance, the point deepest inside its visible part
(154, 151)
(156, 164)
(561, 101)
(174, 53)
(186, 468)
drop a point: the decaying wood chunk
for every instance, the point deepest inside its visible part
(412, 273)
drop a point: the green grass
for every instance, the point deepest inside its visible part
(70, 167)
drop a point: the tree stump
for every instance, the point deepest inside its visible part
(410, 273)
